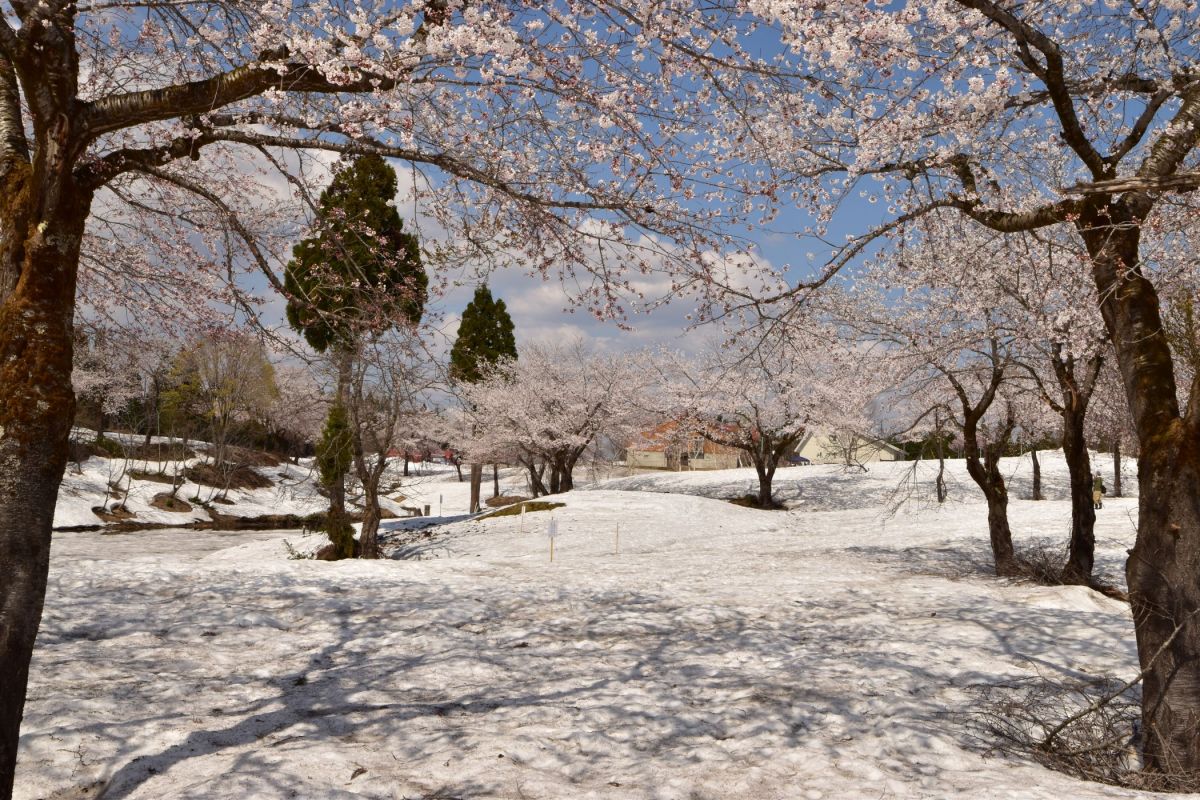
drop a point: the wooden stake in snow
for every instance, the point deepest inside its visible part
(440, 504)
(552, 533)
(522, 518)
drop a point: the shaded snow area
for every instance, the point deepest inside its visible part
(725, 652)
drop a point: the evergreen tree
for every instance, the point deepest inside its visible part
(357, 274)
(358, 271)
(334, 454)
(485, 336)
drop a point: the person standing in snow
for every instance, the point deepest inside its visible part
(1098, 491)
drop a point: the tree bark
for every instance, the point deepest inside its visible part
(1081, 557)
(1117, 468)
(368, 538)
(476, 482)
(1163, 566)
(940, 483)
(495, 480)
(766, 475)
(1037, 475)
(983, 464)
(42, 216)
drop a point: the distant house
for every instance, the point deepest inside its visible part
(845, 447)
(669, 446)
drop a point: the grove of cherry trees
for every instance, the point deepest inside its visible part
(990, 209)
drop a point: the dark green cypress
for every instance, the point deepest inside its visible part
(358, 271)
(485, 337)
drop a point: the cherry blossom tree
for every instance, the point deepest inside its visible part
(948, 332)
(390, 382)
(763, 399)
(554, 404)
(1023, 117)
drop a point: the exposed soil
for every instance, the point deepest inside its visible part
(239, 477)
(168, 502)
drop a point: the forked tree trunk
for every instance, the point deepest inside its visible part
(766, 476)
(983, 464)
(1037, 475)
(41, 225)
(1081, 555)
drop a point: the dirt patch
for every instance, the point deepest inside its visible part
(117, 514)
(239, 477)
(529, 508)
(502, 500)
(155, 477)
(245, 457)
(168, 502)
(751, 501)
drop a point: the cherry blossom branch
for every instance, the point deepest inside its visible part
(1179, 182)
(126, 110)
(1052, 74)
(1177, 140)
(231, 217)
(445, 161)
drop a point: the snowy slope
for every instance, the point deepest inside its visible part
(293, 489)
(724, 653)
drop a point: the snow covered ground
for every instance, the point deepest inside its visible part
(293, 489)
(724, 652)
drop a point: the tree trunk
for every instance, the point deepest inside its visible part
(1117, 468)
(1162, 568)
(536, 486)
(1081, 558)
(476, 482)
(984, 467)
(38, 265)
(458, 469)
(495, 480)
(1037, 475)
(368, 539)
(940, 484)
(406, 465)
(1165, 596)
(766, 475)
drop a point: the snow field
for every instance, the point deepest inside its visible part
(725, 653)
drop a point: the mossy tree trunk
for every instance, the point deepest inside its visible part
(42, 214)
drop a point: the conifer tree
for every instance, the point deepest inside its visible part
(358, 272)
(485, 337)
(356, 275)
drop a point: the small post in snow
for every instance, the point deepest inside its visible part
(440, 504)
(552, 533)
(522, 519)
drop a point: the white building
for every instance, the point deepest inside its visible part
(845, 447)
